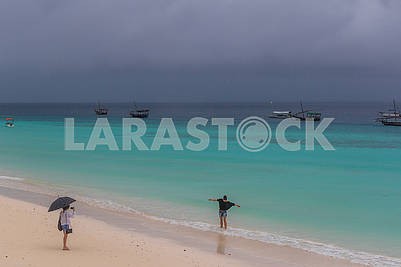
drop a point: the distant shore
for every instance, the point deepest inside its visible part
(96, 242)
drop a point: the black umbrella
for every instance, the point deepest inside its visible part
(60, 203)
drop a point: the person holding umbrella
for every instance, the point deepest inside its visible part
(64, 220)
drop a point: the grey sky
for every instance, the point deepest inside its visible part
(199, 50)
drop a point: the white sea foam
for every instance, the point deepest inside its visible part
(2, 177)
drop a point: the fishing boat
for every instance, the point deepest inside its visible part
(392, 117)
(281, 115)
(393, 122)
(10, 123)
(307, 115)
(139, 113)
(99, 110)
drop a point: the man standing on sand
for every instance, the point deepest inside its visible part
(224, 206)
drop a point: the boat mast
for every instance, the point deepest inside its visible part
(395, 108)
(302, 108)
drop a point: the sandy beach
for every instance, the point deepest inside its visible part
(30, 238)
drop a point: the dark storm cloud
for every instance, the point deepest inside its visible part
(334, 39)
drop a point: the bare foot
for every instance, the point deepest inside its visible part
(66, 248)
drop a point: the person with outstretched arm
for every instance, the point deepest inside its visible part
(224, 206)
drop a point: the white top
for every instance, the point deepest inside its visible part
(281, 112)
(65, 217)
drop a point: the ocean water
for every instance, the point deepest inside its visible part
(344, 203)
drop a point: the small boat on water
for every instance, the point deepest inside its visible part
(99, 110)
(307, 115)
(139, 113)
(9, 123)
(391, 122)
(392, 117)
(281, 115)
(303, 115)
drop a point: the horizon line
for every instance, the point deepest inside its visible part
(198, 102)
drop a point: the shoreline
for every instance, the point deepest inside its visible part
(213, 244)
(203, 235)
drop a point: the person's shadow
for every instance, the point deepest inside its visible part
(221, 244)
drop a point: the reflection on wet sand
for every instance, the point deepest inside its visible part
(221, 244)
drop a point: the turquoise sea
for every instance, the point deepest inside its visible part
(344, 203)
